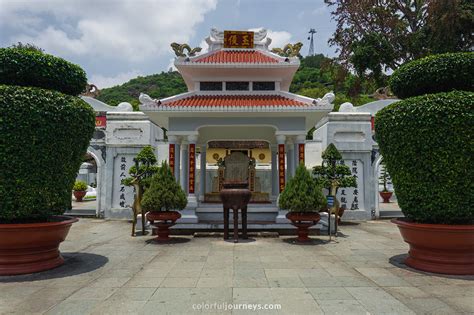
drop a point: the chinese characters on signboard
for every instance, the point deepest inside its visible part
(352, 198)
(100, 121)
(238, 39)
(301, 153)
(192, 167)
(172, 157)
(281, 167)
(123, 195)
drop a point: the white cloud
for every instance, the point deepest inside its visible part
(103, 82)
(279, 38)
(126, 29)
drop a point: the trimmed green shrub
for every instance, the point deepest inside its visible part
(427, 143)
(433, 74)
(44, 135)
(165, 193)
(79, 185)
(301, 194)
(33, 68)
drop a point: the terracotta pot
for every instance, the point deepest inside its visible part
(32, 247)
(439, 248)
(303, 221)
(386, 195)
(79, 194)
(163, 220)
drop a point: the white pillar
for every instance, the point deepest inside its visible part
(177, 171)
(300, 140)
(191, 182)
(184, 166)
(281, 217)
(289, 160)
(202, 180)
(172, 140)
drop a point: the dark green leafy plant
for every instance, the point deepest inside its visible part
(301, 194)
(44, 135)
(145, 163)
(332, 174)
(433, 74)
(165, 193)
(428, 147)
(79, 185)
(27, 67)
(384, 177)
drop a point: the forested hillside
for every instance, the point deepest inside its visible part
(316, 76)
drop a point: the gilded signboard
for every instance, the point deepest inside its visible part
(238, 39)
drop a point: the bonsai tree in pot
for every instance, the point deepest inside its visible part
(303, 200)
(426, 141)
(79, 190)
(45, 132)
(332, 175)
(384, 177)
(140, 175)
(162, 199)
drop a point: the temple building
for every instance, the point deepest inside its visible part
(237, 121)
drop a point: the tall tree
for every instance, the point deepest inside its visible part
(404, 29)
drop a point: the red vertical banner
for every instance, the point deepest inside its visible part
(281, 167)
(172, 157)
(192, 167)
(301, 153)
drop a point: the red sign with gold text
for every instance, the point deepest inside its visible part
(192, 167)
(171, 157)
(301, 153)
(238, 39)
(281, 167)
(100, 121)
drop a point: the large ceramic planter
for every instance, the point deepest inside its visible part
(79, 194)
(386, 195)
(439, 248)
(163, 220)
(303, 221)
(32, 247)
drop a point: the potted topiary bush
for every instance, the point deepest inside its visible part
(384, 193)
(45, 132)
(79, 190)
(162, 199)
(427, 144)
(303, 200)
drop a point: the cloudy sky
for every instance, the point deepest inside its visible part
(116, 40)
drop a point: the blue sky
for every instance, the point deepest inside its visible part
(116, 40)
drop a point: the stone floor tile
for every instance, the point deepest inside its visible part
(342, 307)
(285, 282)
(428, 306)
(113, 307)
(294, 294)
(73, 307)
(260, 282)
(330, 294)
(133, 294)
(307, 306)
(144, 282)
(171, 282)
(112, 282)
(222, 282)
(251, 294)
(390, 281)
(462, 304)
(378, 301)
(90, 293)
(448, 290)
(402, 293)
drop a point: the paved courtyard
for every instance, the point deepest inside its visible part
(109, 272)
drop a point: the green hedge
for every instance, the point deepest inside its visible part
(44, 135)
(434, 74)
(33, 68)
(428, 147)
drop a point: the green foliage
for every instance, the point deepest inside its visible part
(79, 185)
(301, 194)
(44, 135)
(165, 193)
(384, 177)
(157, 86)
(433, 74)
(27, 46)
(145, 163)
(428, 145)
(332, 173)
(29, 67)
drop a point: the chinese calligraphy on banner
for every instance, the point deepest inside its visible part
(281, 167)
(301, 153)
(238, 39)
(171, 157)
(123, 195)
(353, 198)
(192, 167)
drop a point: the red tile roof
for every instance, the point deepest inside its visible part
(235, 100)
(237, 56)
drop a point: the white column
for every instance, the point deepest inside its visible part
(172, 140)
(192, 200)
(188, 215)
(289, 160)
(274, 152)
(202, 180)
(177, 171)
(281, 217)
(300, 139)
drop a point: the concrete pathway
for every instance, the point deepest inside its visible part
(109, 272)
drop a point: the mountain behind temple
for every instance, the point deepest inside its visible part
(316, 76)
